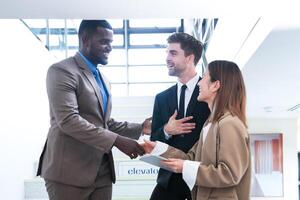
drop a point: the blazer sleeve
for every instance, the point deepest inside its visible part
(131, 130)
(61, 89)
(157, 128)
(177, 153)
(233, 158)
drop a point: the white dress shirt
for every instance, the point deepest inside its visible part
(190, 168)
(191, 84)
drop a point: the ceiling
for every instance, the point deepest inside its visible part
(141, 8)
(245, 33)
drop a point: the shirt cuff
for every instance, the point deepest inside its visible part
(189, 172)
(159, 148)
(167, 136)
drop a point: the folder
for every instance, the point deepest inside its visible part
(154, 160)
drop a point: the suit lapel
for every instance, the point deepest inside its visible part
(193, 100)
(91, 79)
(172, 99)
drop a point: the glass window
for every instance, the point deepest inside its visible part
(154, 23)
(118, 90)
(56, 23)
(199, 68)
(149, 39)
(117, 57)
(72, 40)
(36, 23)
(58, 54)
(147, 56)
(55, 41)
(71, 52)
(114, 74)
(42, 37)
(118, 40)
(73, 23)
(136, 71)
(150, 74)
(116, 23)
(150, 89)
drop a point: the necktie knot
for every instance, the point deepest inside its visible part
(95, 73)
(183, 88)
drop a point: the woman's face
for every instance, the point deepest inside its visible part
(207, 89)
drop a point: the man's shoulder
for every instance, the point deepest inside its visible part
(65, 64)
(166, 92)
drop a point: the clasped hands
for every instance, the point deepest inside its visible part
(173, 127)
(129, 146)
(133, 149)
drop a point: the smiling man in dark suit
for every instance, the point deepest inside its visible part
(77, 161)
(177, 115)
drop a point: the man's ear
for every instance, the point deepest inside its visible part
(191, 58)
(84, 39)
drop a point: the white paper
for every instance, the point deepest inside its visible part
(154, 160)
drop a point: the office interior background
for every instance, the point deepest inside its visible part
(261, 37)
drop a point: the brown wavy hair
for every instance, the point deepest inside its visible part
(231, 95)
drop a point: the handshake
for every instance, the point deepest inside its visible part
(132, 148)
(173, 127)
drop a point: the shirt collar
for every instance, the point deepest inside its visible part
(190, 84)
(91, 66)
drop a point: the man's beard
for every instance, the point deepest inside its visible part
(102, 61)
(173, 72)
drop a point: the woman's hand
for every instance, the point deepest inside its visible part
(148, 146)
(175, 165)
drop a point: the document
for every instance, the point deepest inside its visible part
(154, 160)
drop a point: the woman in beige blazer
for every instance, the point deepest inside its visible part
(218, 166)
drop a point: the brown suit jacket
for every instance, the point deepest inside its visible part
(225, 169)
(80, 133)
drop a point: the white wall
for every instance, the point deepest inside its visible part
(272, 74)
(23, 106)
(289, 129)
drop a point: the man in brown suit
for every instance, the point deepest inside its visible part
(77, 162)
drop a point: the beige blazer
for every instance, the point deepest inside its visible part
(225, 169)
(80, 133)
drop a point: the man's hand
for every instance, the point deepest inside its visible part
(148, 146)
(128, 146)
(147, 126)
(176, 127)
(175, 165)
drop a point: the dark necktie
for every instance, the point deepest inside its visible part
(181, 102)
(102, 89)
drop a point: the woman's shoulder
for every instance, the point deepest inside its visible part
(229, 120)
